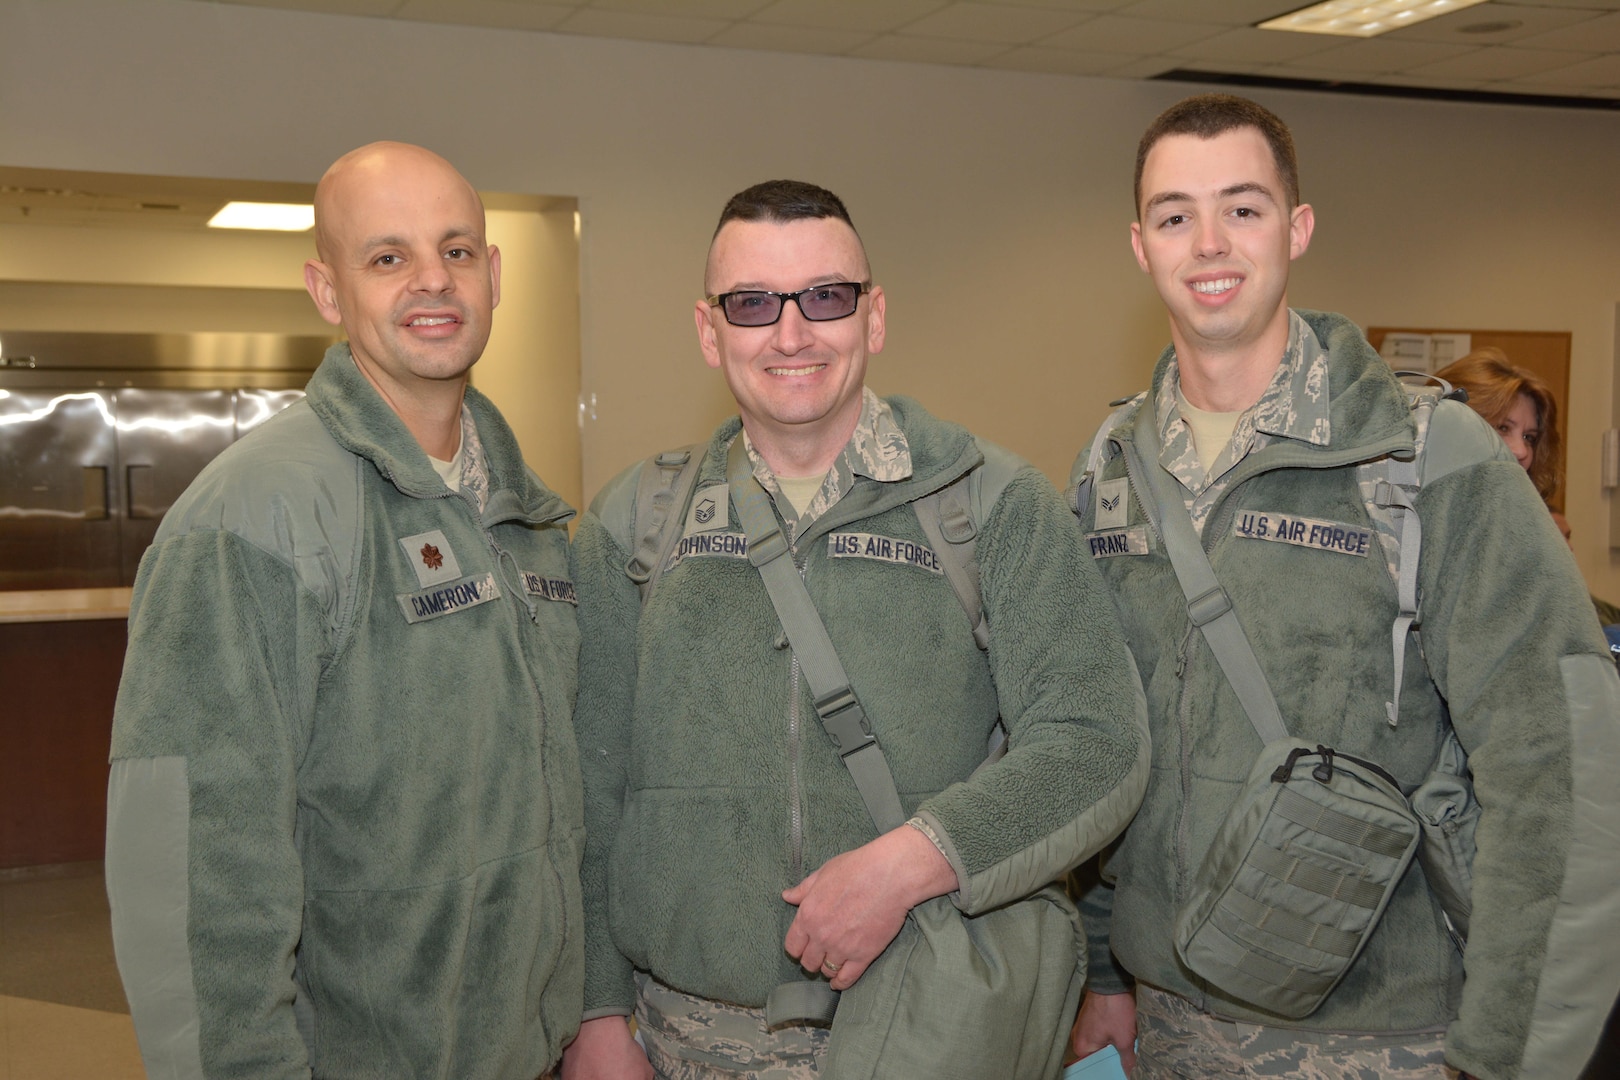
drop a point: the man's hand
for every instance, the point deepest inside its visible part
(604, 1050)
(854, 905)
(1106, 1020)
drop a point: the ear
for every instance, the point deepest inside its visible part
(876, 329)
(322, 289)
(1136, 246)
(1302, 222)
(495, 276)
(708, 336)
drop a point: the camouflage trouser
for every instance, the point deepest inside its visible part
(693, 1038)
(1178, 1042)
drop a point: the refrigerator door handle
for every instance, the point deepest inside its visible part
(95, 492)
(141, 495)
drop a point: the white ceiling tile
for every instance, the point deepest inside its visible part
(1501, 62)
(790, 39)
(1454, 27)
(505, 14)
(325, 7)
(1597, 35)
(1380, 54)
(1115, 33)
(848, 14)
(990, 22)
(923, 50)
(1607, 5)
(1060, 5)
(1602, 71)
(1145, 67)
(1055, 61)
(1256, 46)
(596, 22)
(1227, 12)
(684, 9)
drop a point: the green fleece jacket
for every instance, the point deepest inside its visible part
(1508, 642)
(345, 820)
(710, 786)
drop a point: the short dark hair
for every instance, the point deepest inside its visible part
(782, 201)
(1209, 115)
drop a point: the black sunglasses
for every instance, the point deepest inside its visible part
(819, 303)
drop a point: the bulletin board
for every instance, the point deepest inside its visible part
(1546, 353)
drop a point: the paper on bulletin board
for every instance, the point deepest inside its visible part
(1427, 353)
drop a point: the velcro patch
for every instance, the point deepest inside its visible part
(1334, 536)
(727, 545)
(1111, 542)
(1113, 503)
(430, 556)
(550, 588)
(449, 599)
(710, 510)
(854, 545)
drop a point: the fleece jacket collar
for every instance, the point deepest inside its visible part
(1368, 415)
(940, 453)
(363, 424)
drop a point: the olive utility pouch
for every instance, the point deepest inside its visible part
(1449, 813)
(1297, 877)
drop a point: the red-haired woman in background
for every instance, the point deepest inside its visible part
(1523, 411)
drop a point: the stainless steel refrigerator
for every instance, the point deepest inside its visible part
(100, 433)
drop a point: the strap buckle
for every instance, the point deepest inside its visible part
(1206, 607)
(845, 721)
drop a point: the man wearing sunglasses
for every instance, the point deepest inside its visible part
(728, 846)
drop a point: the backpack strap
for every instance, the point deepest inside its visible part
(1082, 476)
(950, 519)
(663, 489)
(1450, 436)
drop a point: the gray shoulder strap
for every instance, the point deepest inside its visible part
(1208, 605)
(1450, 436)
(950, 519)
(1082, 475)
(662, 492)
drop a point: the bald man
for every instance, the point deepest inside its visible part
(344, 815)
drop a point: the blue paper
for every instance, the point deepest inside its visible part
(1101, 1065)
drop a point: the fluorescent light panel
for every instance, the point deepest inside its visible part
(280, 217)
(1364, 18)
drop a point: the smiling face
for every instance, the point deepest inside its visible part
(795, 380)
(404, 268)
(1215, 233)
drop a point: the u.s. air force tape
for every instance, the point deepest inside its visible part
(550, 588)
(449, 598)
(1334, 536)
(889, 549)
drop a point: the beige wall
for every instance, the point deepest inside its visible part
(531, 366)
(994, 204)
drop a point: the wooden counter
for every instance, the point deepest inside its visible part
(63, 605)
(61, 653)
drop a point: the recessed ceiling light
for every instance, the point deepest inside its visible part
(1364, 18)
(281, 217)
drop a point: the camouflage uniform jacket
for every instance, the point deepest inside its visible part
(1508, 640)
(709, 784)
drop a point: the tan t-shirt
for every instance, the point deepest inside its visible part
(1211, 431)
